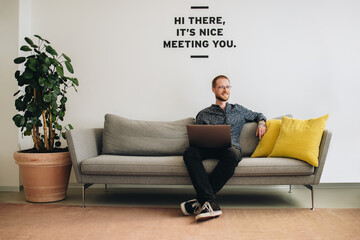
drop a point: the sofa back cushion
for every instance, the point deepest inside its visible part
(144, 138)
(248, 139)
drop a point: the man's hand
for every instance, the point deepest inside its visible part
(261, 129)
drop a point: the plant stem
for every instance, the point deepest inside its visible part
(35, 136)
(51, 131)
(36, 142)
(45, 131)
(38, 137)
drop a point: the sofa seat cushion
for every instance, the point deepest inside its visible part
(273, 167)
(174, 166)
(134, 165)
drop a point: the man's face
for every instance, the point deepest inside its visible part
(222, 89)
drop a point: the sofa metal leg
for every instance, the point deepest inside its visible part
(106, 188)
(312, 195)
(84, 187)
(289, 189)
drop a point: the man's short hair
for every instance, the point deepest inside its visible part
(216, 78)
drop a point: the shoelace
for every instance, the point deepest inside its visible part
(196, 206)
(208, 207)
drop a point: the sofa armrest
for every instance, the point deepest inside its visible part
(324, 147)
(83, 144)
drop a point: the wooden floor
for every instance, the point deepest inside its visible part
(326, 196)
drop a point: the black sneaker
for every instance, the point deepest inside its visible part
(190, 207)
(208, 210)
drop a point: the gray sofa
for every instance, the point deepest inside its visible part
(149, 152)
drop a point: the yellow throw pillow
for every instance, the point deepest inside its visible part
(267, 142)
(300, 139)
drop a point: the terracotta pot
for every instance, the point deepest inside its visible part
(45, 176)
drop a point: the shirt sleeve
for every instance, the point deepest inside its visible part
(251, 116)
(201, 118)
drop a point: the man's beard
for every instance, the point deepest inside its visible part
(221, 98)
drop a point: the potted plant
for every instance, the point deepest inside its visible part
(45, 169)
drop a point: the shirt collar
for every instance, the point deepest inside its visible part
(226, 107)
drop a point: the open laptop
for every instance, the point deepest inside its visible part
(209, 136)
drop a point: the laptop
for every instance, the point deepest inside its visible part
(209, 136)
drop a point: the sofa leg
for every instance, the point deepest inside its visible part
(84, 187)
(289, 189)
(312, 195)
(106, 188)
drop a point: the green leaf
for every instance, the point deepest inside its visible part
(47, 61)
(69, 67)
(16, 93)
(50, 50)
(58, 144)
(28, 74)
(48, 84)
(55, 112)
(61, 115)
(32, 64)
(17, 74)
(66, 57)
(54, 96)
(54, 105)
(19, 104)
(28, 97)
(62, 100)
(42, 81)
(58, 126)
(33, 120)
(57, 90)
(44, 69)
(28, 90)
(19, 60)
(47, 98)
(38, 37)
(28, 132)
(75, 81)
(19, 120)
(55, 62)
(60, 70)
(29, 126)
(32, 107)
(25, 48)
(71, 127)
(29, 41)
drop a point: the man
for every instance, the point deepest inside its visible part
(206, 186)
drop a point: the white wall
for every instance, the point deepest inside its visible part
(9, 175)
(298, 57)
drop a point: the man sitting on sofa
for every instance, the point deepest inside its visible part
(206, 186)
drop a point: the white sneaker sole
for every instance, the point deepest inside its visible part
(208, 215)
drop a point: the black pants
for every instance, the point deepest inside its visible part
(206, 186)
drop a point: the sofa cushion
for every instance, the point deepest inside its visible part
(267, 142)
(300, 139)
(248, 139)
(151, 138)
(117, 165)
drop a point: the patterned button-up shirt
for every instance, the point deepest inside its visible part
(234, 115)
